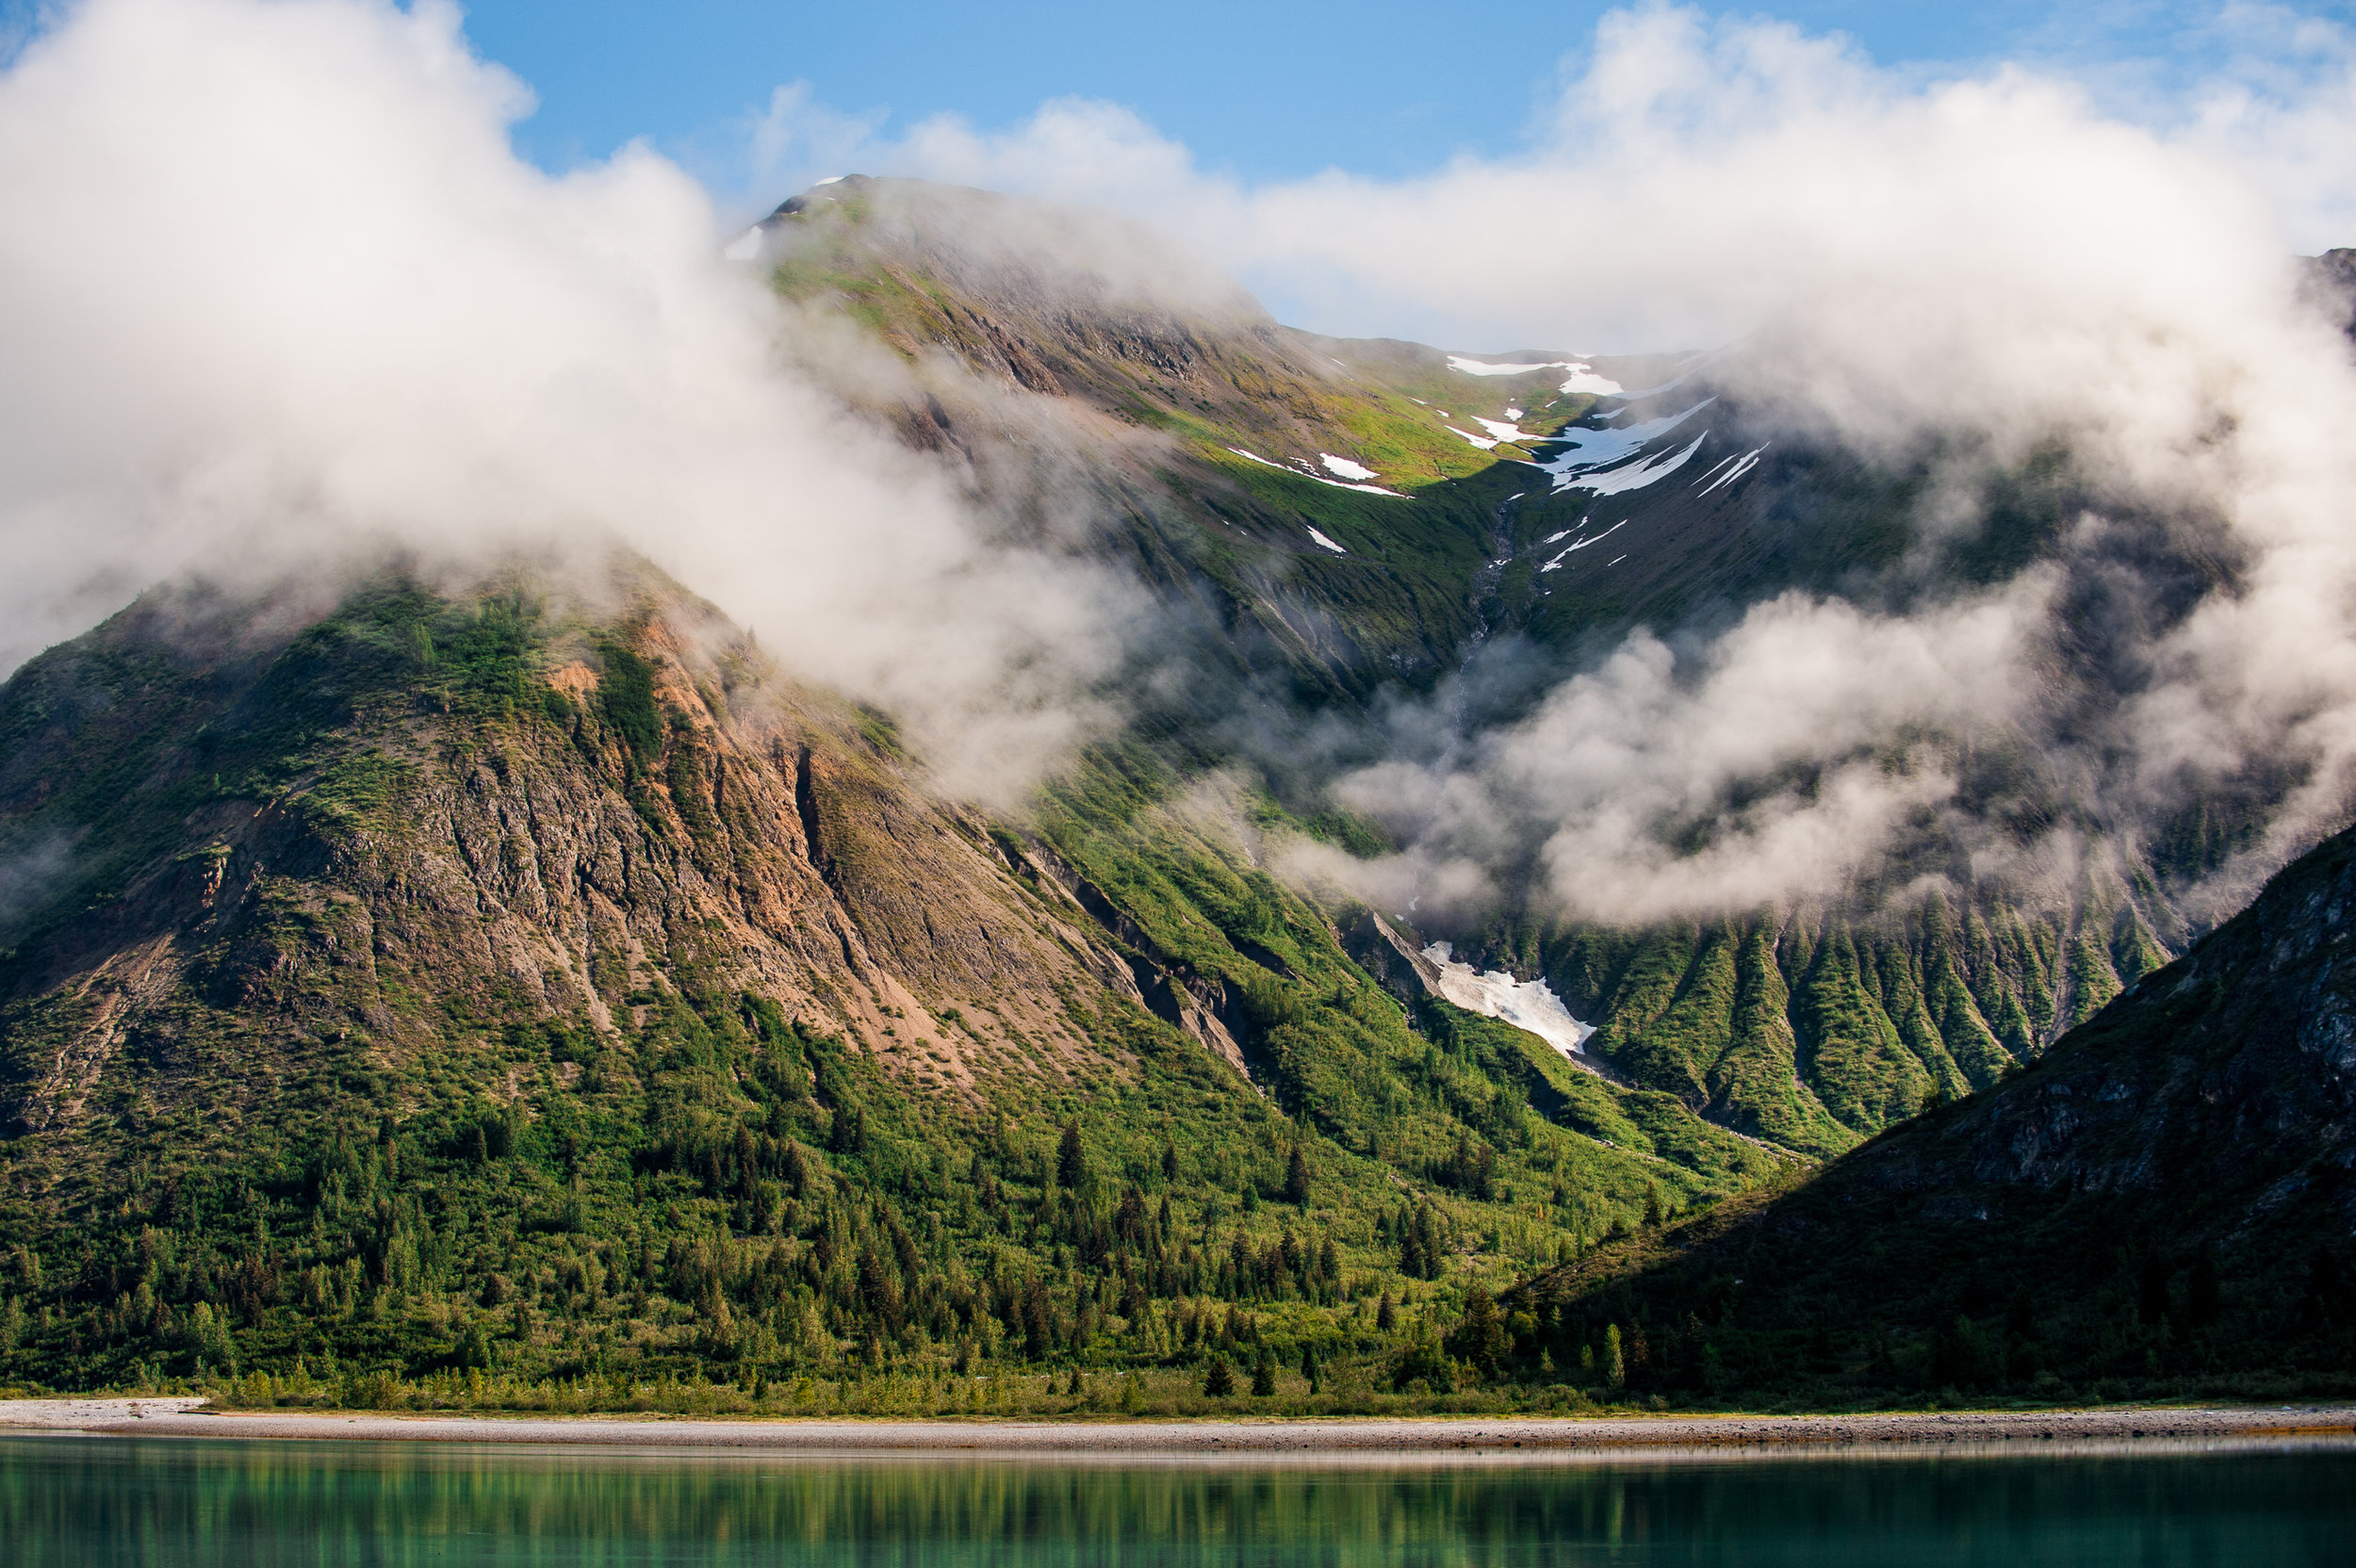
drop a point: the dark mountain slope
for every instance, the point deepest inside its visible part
(2167, 1197)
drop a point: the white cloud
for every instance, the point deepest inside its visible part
(1696, 174)
(274, 287)
(273, 283)
(2003, 257)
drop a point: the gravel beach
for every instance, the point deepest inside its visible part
(175, 1417)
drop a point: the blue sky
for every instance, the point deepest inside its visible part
(1261, 91)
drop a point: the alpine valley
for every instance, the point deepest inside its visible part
(506, 986)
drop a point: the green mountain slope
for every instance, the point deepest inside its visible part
(1816, 1031)
(1810, 1031)
(462, 990)
(437, 985)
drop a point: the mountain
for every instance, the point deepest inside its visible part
(421, 984)
(2332, 278)
(2163, 1202)
(1334, 519)
(422, 979)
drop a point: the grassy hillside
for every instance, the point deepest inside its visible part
(466, 999)
(1812, 1032)
(1818, 1032)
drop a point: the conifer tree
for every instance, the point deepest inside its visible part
(1219, 1381)
(1480, 1338)
(2202, 1300)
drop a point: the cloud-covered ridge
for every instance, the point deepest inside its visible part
(276, 293)
(1960, 274)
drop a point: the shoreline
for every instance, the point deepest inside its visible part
(1560, 1437)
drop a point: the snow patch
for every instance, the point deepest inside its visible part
(1326, 542)
(831, 179)
(1635, 476)
(1525, 367)
(1583, 379)
(1712, 468)
(1529, 1005)
(1588, 450)
(1303, 473)
(1342, 467)
(1504, 431)
(1748, 461)
(1581, 544)
(1483, 442)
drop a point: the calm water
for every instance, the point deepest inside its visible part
(91, 1502)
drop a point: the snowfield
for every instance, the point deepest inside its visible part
(1635, 476)
(1583, 379)
(1487, 368)
(1589, 451)
(1529, 1005)
(1582, 375)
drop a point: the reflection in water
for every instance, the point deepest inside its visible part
(94, 1502)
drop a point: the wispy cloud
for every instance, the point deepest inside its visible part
(2004, 258)
(276, 293)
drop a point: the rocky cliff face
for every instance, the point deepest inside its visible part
(373, 841)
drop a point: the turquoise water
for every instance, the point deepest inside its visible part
(94, 1502)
